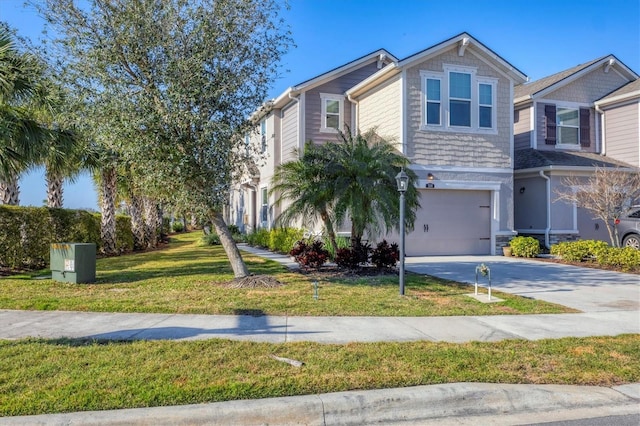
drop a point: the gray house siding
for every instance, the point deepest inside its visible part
(622, 133)
(530, 209)
(338, 86)
(522, 128)
(290, 132)
(445, 148)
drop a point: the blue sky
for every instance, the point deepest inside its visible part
(539, 37)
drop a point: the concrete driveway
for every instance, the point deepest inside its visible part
(586, 289)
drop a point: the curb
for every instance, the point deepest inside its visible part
(420, 403)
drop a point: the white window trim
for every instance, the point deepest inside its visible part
(324, 97)
(424, 76)
(445, 99)
(569, 146)
(264, 202)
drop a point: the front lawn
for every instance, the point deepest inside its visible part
(51, 376)
(187, 278)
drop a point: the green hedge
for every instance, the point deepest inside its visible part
(27, 232)
(280, 239)
(525, 247)
(626, 258)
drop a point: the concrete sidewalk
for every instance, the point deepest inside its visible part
(282, 329)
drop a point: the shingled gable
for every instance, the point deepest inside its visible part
(463, 41)
(539, 88)
(381, 55)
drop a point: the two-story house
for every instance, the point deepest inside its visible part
(313, 110)
(567, 124)
(448, 109)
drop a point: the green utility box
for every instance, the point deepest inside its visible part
(73, 262)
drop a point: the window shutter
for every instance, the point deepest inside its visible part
(585, 131)
(550, 124)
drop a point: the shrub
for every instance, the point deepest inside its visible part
(578, 251)
(233, 229)
(385, 255)
(26, 233)
(210, 239)
(282, 240)
(259, 238)
(309, 255)
(177, 226)
(626, 258)
(341, 242)
(525, 247)
(347, 258)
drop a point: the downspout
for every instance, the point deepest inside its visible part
(355, 115)
(603, 145)
(548, 228)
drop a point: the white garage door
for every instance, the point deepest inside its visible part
(451, 222)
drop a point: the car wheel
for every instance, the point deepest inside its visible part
(632, 241)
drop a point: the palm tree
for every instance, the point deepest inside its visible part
(304, 183)
(362, 169)
(20, 134)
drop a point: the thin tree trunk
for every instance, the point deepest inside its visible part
(55, 195)
(150, 222)
(330, 231)
(108, 207)
(235, 258)
(137, 222)
(10, 191)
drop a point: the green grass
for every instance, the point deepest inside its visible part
(49, 376)
(188, 278)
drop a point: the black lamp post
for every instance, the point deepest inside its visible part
(402, 179)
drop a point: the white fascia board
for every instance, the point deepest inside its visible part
(373, 80)
(620, 98)
(502, 170)
(559, 170)
(509, 69)
(458, 185)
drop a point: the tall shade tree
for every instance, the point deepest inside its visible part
(608, 194)
(188, 74)
(20, 133)
(363, 169)
(305, 185)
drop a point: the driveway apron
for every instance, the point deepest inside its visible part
(585, 289)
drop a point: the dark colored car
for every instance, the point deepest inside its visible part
(629, 229)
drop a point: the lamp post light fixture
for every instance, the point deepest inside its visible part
(402, 180)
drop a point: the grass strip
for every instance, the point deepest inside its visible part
(52, 376)
(188, 278)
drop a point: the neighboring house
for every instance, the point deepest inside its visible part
(567, 124)
(447, 108)
(312, 110)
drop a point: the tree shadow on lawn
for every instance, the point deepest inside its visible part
(218, 269)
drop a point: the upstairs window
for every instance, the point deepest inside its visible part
(567, 125)
(332, 112)
(433, 102)
(458, 100)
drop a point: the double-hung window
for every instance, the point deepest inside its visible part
(433, 101)
(458, 100)
(568, 125)
(332, 107)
